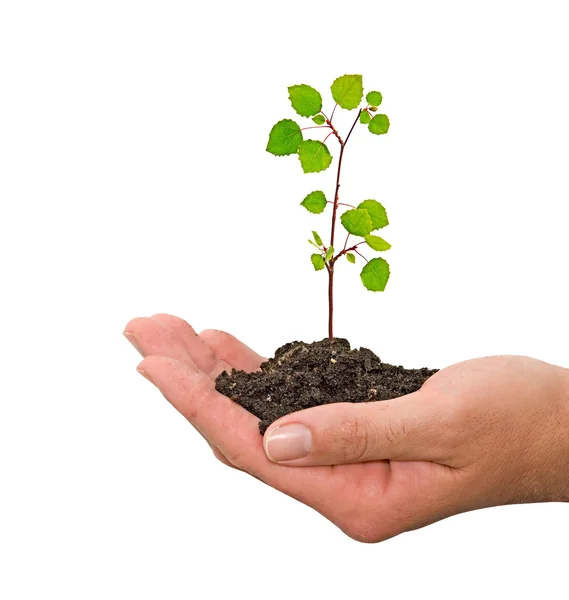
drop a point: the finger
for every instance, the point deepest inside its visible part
(165, 335)
(149, 337)
(232, 351)
(413, 427)
(152, 337)
(232, 429)
(221, 457)
(202, 353)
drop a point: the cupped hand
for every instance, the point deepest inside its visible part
(480, 433)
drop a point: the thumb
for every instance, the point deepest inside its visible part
(412, 427)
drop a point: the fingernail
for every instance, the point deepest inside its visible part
(288, 442)
(145, 374)
(132, 339)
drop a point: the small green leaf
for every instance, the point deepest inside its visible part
(365, 117)
(351, 258)
(347, 91)
(375, 274)
(379, 124)
(377, 243)
(311, 242)
(357, 221)
(284, 138)
(374, 98)
(317, 238)
(329, 253)
(319, 119)
(305, 100)
(317, 262)
(376, 212)
(315, 202)
(314, 156)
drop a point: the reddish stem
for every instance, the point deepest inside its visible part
(335, 132)
(340, 203)
(346, 250)
(333, 111)
(333, 229)
(316, 127)
(327, 137)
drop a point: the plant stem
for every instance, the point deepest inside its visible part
(327, 137)
(331, 269)
(341, 203)
(333, 111)
(346, 250)
(315, 127)
(333, 229)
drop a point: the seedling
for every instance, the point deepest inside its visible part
(286, 138)
(304, 375)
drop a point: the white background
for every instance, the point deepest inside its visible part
(134, 180)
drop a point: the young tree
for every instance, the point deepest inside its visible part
(359, 221)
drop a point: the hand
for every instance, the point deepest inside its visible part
(480, 433)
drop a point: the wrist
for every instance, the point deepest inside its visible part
(544, 455)
(564, 436)
(557, 447)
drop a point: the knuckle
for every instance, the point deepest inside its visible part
(243, 460)
(224, 460)
(209, 333)
(357, 435)
(161, 316)
(213, 335)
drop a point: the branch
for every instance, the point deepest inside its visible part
(350, 133)
(316, 127)
(337, 194)
(335, 132)
(327, 137)
(333, 111)
(340, 203)
(346, 250)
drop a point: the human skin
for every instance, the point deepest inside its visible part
(480, 433)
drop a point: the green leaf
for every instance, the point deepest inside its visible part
(377, 243)
(319, 119)
(284, 138)
(305, 100)
(364, 117)
(376, 212)
(315, 202)
(311, 242)
(379, 124)
(317, 238)
(374, 98)
(357, 221)
(317, 262)
(347, 91)
(375, 274)
(314, 156)
(351, 258)
(330, 253)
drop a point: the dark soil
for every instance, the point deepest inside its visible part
(304, 375)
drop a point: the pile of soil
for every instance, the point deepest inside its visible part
(304, 375)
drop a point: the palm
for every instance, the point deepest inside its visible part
(184, 366)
